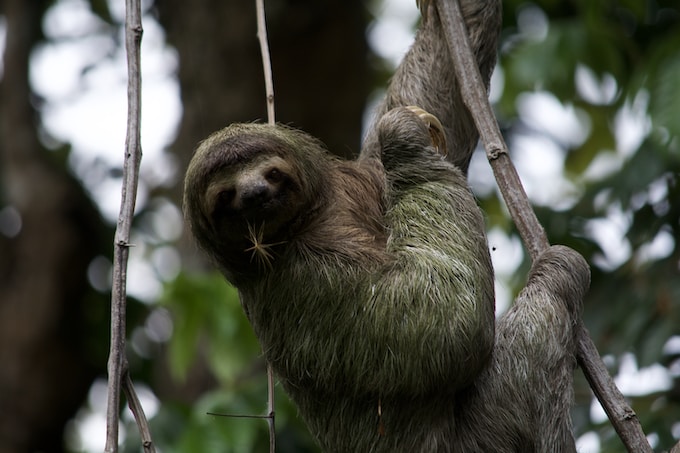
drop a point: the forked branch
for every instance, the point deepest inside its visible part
(117, 366)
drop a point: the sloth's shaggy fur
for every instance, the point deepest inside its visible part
(369, 282)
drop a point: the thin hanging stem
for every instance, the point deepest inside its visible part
(269, 87)
(117, 365)
(266, 60)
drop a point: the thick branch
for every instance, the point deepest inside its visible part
(475, 98)
(622, 416)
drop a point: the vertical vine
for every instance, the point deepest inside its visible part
(269, 88)
(119, 377)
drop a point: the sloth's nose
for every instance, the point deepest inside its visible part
(254, 195)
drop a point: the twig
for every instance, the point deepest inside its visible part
(133, 155)
(269, 87)
(216, 414)
(623, 418)
(138, 412)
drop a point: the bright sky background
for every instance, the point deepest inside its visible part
(89, 111)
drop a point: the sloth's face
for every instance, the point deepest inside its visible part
(262, 194)
(252, 185)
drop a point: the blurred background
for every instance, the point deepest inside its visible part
(586, 93)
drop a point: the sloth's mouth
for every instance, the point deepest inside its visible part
(270, 219)
(266, 211)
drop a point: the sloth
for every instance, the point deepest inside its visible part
(369, 282)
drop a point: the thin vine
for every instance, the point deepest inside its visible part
(269, 87)
(119, 377)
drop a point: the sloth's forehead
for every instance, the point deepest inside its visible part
(242, 150)
(223, 159)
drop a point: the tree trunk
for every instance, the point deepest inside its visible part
(44, 294)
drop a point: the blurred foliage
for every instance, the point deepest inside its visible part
(205, 307)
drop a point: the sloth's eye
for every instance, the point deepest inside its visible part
(225, 197)
(274, 175)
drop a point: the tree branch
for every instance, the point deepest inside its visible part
(117, 366)
(623, 418)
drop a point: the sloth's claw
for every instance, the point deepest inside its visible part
(434, 126)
